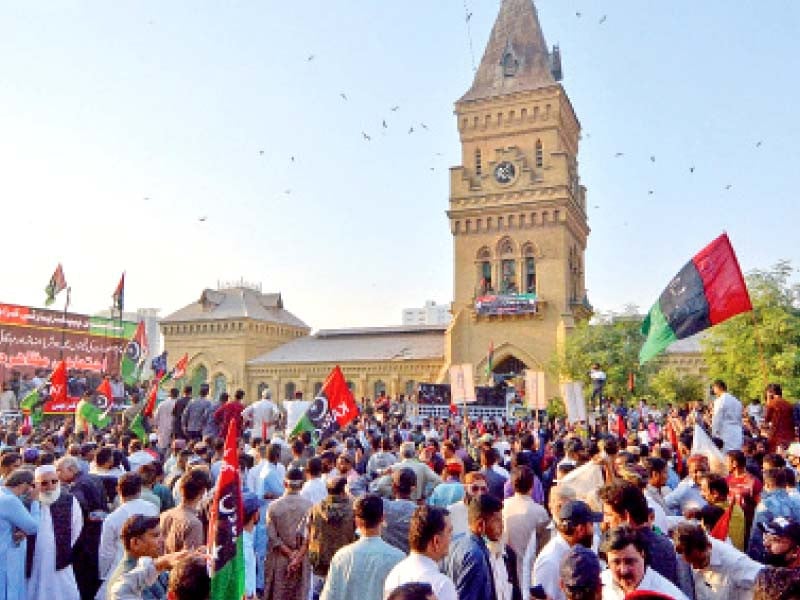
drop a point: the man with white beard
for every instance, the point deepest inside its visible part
(49, 568)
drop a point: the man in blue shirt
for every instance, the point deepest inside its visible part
(358, 570)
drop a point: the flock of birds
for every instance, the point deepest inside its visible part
(415, 127)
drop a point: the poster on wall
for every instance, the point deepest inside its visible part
(462, 384)
(535, 390)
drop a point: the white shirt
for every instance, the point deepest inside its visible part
(260, 413)
(522, 518)
(726, 422)
(45, 582)
(730, 574)
(162, 421)
(139, 458)
(651, 581)
(418, 567)
(546, 569)
(502, 586)
(458, 517)
(314, 489)
(253, 476)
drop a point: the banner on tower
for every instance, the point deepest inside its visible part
(506, 304)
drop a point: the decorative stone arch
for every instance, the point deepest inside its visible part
(509, 351)
(530, 249)
(505, 247)
(483, 253)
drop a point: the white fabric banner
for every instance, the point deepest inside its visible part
(462, 384)
(572, 393)
(703, 444)
(295, 409)
(534, 390)
(585, 480)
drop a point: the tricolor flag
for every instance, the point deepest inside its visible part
(708, 290)
(332, 409)
(138, 429)
(179, 370)
(225, 526)
(720, 530)
(135, 352)
(152, 398)
(57, 283)
(31, 407)
(92, 414)
(119, 296)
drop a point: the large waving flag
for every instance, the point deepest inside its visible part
(225, 526)
(332, 409)
(708, 290)
(135, 353)
(152, 398)
(57, 283)
(178, 371)
(58, 383)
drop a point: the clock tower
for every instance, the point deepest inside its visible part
(517, 208)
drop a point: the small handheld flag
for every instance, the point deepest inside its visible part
(119, 296)
(135, 352)
(333, 408)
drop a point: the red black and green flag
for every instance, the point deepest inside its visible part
(135, 352)
(333, 408)
(225, 526)
(708, 290)
(119, 296)
(56, 284)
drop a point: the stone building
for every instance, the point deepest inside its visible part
(517, 215)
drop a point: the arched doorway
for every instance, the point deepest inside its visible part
(199, 377)
(220, 385)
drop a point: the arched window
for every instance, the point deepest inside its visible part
(199, 377)
(530, 275)
(485, 271)
(478, 163)
(508, 267)
(220, 385)
(317, 388)
(380, 387)
(539, 154)
(289, 390)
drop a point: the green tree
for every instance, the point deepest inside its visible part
(667, 385)
(611, 340)
(756, 348)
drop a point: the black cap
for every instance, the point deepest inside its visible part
(576, 512)
(782, 527)
(580, 568)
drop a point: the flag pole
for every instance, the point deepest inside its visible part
(64, 325)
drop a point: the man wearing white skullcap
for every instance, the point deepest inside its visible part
(49, 565)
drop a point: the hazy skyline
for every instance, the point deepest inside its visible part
(123, 125)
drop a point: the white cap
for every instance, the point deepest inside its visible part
(44, 470)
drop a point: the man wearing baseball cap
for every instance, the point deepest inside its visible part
(580, 575)
(575, 527)
(782, 546)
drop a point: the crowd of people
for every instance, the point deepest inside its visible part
(629, 506)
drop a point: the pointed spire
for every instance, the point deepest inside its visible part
(516, 58)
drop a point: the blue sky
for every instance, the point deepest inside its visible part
(122, 124)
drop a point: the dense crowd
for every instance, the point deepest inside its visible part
(698, 502)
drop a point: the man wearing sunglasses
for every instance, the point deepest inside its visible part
(474, 485)
(49, 564)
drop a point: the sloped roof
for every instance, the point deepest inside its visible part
(516, 32)
(236, 303)
(362, 344)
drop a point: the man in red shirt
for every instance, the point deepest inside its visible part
(228, 410)
(778, 418)
(743, 487)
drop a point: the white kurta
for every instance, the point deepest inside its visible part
(726, 422)
(259, 413)
(46, 583)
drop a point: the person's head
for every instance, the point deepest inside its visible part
(623, 502)
(187, 390)
(774, 479)
(626, 556)
(697, 465)
(344, 464)
(10, 462)
(135, 445)
(251, 506)
(193, 484)
(415, 590)
(692, 543)
(719, 387)
(173, 393)
(336, 486)
(774, 390)
(560, 494)
(294, 480)
(189, 580)
(575, 522)
(474, 484)
(430, 532)
(657, 472)
(239, 395)
(485, 516)
(104, 458)
(67, 468)
(314, 467)
(47, 483)
(129, 486)
(714, 488)
(141, 536)
(782, 542)
(298, 447)
(408, 450)
(522, 479)
(404, 481)
(20, 482)
(580, 574)
(735, 461)
(274, 453)
(368, 512)
(488, 458)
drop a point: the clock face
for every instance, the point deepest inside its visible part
(504, 172)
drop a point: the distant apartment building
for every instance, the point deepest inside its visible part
(430, 314)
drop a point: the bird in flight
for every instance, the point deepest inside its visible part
(410, 130)
(729, 186)
(365, 136)
(618, 154)
(578, 14)
(691, 169)
(292, 158)
(310, 57)
(394, 108)
(261, 153)
(650, 192)
(202, 219)
(287, 192)
(469, 16)
(385, 126)
(652, 158)
(758, 144)
(439, 154)
(424, 126)
(602, 19)
(343, 95)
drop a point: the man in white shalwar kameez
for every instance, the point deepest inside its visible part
(46, 581)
